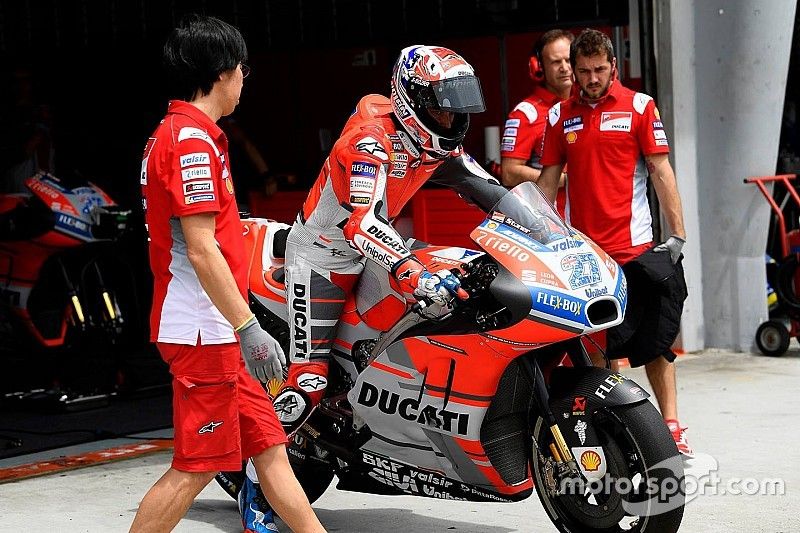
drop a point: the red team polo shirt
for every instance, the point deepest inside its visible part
(605, 147)
(524, 131)
(185, 172)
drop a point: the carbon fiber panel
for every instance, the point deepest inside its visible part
(505, 435)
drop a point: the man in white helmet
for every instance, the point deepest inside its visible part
(388, 149)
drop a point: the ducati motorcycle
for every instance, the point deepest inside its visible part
(57, 272)
(472, 402)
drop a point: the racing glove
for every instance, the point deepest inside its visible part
(262, 354)
(673, 245)
(440, 287)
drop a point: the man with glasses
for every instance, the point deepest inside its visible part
(221, 414)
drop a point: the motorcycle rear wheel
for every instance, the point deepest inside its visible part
(638, 448)
(314, 476)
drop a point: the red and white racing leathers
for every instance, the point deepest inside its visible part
(371, 173)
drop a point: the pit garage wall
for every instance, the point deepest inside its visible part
(722, 68)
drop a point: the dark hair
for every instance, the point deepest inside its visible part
(591, 43)
(547, 38)
(197, 51)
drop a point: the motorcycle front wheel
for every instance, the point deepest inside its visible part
(643, 489)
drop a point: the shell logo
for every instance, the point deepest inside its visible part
(590, 460)
(572, 137)
(274, 387)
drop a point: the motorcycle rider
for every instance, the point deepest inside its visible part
(388, 149)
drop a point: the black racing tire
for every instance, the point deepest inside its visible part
(314, 476)
(231, 482)
(638, 447)
(772, 338)
(784, 283)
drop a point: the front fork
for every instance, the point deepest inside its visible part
(113, 314)
(72, 294)
(541, 396)
(110, 306)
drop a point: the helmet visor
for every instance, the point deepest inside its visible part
(459, 95)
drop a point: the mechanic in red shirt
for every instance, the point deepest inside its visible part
(389, 148)
(521, 144)
(612, 138)
(221, 414)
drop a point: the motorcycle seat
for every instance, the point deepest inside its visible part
(276, 277)
(279, 243)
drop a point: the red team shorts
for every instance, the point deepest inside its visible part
(221, 414)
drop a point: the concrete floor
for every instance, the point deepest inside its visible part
(741, 410)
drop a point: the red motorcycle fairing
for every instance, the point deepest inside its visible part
(40, 228)
(426, 392)
(469, 402)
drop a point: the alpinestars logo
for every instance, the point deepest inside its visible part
(286, 405)
(314, 383)
(289, 406)
(406, 274)
(209, 428)
(372, 146)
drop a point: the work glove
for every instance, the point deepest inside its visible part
(673, 245)
(439, 288)
(262, 354)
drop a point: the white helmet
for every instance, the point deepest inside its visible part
(432, 77)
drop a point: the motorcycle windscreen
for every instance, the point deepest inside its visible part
(521, 218)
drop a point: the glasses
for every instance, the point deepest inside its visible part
(245, 70)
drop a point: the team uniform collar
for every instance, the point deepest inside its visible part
(180, 107)
(545, 95)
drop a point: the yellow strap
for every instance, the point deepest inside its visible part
(244, 323)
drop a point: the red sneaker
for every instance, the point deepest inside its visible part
(679, 435)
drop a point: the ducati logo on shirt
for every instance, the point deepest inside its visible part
(616, 121)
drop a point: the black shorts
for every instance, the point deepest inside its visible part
(656, 292)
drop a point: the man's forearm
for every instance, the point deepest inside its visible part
(665, 184)
(673, 213)
(549, 180)
(514, 174)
